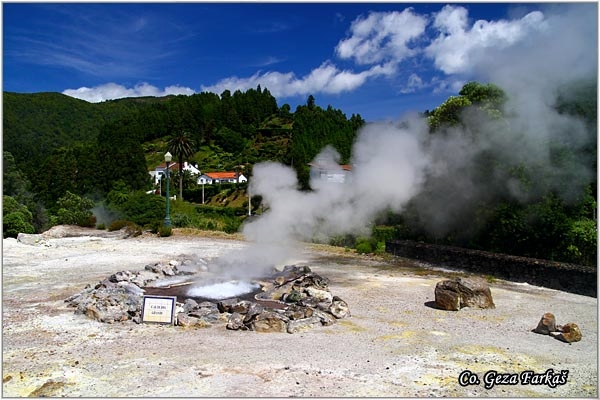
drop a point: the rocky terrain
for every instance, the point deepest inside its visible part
(394, 343)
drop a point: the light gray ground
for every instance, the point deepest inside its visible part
(393, 345)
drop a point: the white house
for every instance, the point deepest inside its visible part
(210, 178)
(330, 172)
(159, 171)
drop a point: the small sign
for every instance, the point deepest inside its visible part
(158, 309)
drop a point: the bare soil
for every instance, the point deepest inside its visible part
(395, 344)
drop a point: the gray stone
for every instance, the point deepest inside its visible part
(190, 305)
(546, 325)
(236, 322)
(303, 324)
(325, 317)
(253, 310)
(187, 321)
(269, 321)
(320, 294)
(458, 293)
(339, 308)
(31, 239)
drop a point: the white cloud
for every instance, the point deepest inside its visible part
(382, 36)
(458, 46)
(327, 78)
(413, 84)
(110, 91)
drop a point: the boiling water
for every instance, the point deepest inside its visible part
(222, 290)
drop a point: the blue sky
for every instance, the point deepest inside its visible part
(379, 60)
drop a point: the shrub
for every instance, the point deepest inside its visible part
(164, 231)
(16, 218)
(118, 225)
(101, 227)
(75, 210)
(364, 247)
(144, 209)
(15, 223)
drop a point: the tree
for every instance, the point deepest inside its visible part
(448, 114)
(75, 210)
(310, 102)
(16, 218)
(182, 146)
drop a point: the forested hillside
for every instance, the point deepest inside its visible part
(63, 156)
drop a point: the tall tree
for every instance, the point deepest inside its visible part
(182, 146)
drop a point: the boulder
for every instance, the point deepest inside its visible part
(569, 333)
(325, 317)
(319, 294)
(31, 239)
(269, 321)
(253, 310)
(187, 321)
(546, 325)
(302, 324)
(339, 308)
(458, 293)
(236, 322)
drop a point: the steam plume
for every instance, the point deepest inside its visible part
(440, 175)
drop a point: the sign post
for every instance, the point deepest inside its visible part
(159, 309)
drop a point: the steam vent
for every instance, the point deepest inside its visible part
(290, 300)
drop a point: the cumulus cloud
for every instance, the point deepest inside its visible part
(417, 52)
(382, 36)
(327, 78)
(110, 91)
(457, 44)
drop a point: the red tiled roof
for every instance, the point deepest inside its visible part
(172, 165)
(221, 175)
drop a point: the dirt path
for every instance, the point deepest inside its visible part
(394, 344)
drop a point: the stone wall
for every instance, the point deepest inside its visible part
(572, 278)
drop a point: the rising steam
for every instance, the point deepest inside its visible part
(440, 175)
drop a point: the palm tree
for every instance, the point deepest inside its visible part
(182, 146)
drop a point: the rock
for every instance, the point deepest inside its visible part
(302, 324)
(190, 305)
(295, 312)
(455, 294)
(309, 302)
(131, 288)
(236, 322)
(339, 308)
(546, 325)
(31, 239)
(187, 321)
(269, 321)
(120, 276)
(290, 273)
(569, 333)
(319, 294)
(226, 304)
(240, 307)
(293, 297)
(253, 310)
(325, 318)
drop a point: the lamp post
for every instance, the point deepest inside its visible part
(168, 158)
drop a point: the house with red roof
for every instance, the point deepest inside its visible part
(210, 178)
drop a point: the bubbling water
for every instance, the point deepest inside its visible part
(222, 290)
